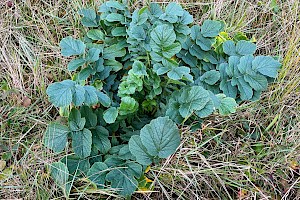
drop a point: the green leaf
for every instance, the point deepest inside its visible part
(256, 95)
(137, 149)
(192, 99)
(90, 95)
(161, 137)
(125, 153)
(60, 174)
(186, 18)
(228, 89)
(115, 65)
(240, 36)
(211, 57)
(229, 48)
(171, 50)
(75, 164)
(115, 17)
(138, 68)
(130, 85)
(206, 66)
(222, 70)
(205, 43)
(266, 65)
(110, 115)
(155, 9)
(245, 89)
(99, 115)
(119, 31)
(138, 33)
(76, 122)
(211, 28)
(143, 10)
(184, 29)
(104, 99)
(74, 64)
(245, 65)
(156, 56)
(195, 50)
(206, 111)
(159, 69)
(232, 69)
(256, 81)
(71, 47)
(85, 73)
(100, 139)
(95, 45)
(116, 5)
(96, 34)
(99, 65)
(113, 51)
(162, 36)
(178, 73)
(227, 105)
(93, 55)
(173, 108)
(274, 6)
(113, 160)
(88, 13)
(234, 81)
(188, 58)
(244, 47)
(210, 77)
(60, 94)
(56, 136)
(195, 32)
(89, 115)
(128, 105)
(139, 17)
(89, 19)
(88, 22)
(182, 33)
(170, 63)
(169, 18)
(97, 173)
(124, 180)
(174, 9)
(82, 143)
(95, 156)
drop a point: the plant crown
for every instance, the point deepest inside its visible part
(136, 77)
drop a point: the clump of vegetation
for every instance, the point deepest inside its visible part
(137, 76)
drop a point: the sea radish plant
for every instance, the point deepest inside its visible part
(136, 76)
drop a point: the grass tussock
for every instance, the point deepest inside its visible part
(253, 154)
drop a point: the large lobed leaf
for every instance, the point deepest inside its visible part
(82, 142)
(97, 173)
(64, 93)
(266, 65)
(60, 174)
(71, 47)
(124, 179)
(56, 136)
(159, 139)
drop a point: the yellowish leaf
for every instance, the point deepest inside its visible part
(147, 169)
(2, 165)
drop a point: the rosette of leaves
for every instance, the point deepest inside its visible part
(243, 73)
(199, 102)
(135, 76)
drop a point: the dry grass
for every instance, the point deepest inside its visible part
(223, 160)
